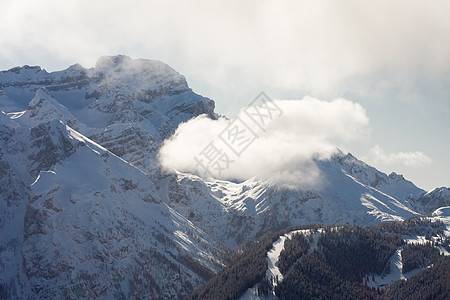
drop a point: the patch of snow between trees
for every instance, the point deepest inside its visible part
(273, 255)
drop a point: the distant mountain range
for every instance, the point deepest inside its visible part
(86, 211)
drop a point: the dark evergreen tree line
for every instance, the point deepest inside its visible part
(311, 278)
(414, 225)
(418, 256)
(356, 251)
(294, 248)
(345, 255)
(248, 269)
(432, 283)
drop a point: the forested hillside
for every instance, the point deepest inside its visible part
(339, 262)
(247, 269)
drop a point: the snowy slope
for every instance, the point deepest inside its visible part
(393, 184)
(114, 237)
(443, 215)
(92, 225)
(77, 221)
(428, 202)
(246, 209)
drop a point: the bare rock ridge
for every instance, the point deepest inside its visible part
(87, 212)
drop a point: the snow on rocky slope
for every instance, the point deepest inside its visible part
(92, 225)
(244, 210)
(83, 220)
(77, 221)
(114, 236)
(128, 105)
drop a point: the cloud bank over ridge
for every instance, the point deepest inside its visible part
(284, 151)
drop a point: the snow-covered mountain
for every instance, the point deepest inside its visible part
(86, 210)
(129, 106)
(352, 193)
(78, 221)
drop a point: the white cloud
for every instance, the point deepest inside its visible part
(307, 130)
(378, 156)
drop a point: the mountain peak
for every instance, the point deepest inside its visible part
(43, 108)
(40, 95)
(130, 66)
(23, 69)
(22, 75)
(112, 61)
(145, 79)
(395, 176)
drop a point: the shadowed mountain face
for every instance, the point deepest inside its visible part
(86, 210)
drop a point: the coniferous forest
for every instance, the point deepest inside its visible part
(337, 262)
(432, 283)
(246, 270)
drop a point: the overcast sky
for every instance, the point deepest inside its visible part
(391, 57)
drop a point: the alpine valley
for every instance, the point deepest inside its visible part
(87, 211)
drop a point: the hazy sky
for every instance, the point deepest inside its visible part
(391, 57)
